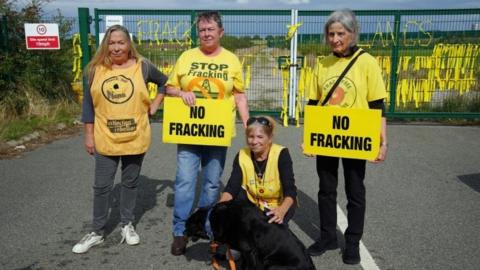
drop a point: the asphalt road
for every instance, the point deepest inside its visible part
(423, 205)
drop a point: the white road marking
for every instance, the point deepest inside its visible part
(367, 262)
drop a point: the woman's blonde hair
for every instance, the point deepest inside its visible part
(102, 56)
(265, 122)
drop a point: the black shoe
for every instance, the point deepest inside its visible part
(319, 247)
(351, 254)
(179, 245)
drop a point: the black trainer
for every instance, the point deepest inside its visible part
(351, 254)
(319, 247)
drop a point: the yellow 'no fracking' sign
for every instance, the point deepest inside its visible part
(337, 132)
(209, 122)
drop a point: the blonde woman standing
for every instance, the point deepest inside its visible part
(115, 112)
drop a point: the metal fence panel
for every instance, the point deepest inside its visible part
(430, 58)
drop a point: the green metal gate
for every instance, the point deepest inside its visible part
(430, 58)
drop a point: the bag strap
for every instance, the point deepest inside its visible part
(330, 93)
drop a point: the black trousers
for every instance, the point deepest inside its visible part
(354, 173)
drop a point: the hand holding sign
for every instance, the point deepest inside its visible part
(302, 146)
(187, 97)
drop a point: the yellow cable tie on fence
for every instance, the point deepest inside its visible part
(248, 76)
(292, 29)
(75, 39)
(427, 90)
(388, 64)
(399, 66)
(417, 62)
(139, 33)
(406, 60)
(399, 93)
(242, 60)
(284, 114)
(404, 92)
(466, 62)
(77, 57)
(415, 93)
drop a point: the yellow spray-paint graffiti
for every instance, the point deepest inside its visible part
(163, 34)
(385, 35)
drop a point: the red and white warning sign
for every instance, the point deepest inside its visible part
(42, 36)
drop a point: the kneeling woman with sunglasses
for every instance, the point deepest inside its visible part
(263, 173)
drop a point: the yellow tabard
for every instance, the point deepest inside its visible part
(265, 191)
(120, 100)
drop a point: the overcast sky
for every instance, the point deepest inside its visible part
(69, 7)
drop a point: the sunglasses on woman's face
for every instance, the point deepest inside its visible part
(261, 120)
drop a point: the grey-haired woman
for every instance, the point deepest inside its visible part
(361, 87)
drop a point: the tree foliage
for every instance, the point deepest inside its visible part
(232, 42)
(24, 73)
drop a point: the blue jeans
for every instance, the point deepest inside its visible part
(189, 159)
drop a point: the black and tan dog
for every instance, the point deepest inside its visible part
(243, 227)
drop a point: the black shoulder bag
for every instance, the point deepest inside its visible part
(330, 93)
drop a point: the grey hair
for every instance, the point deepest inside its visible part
(347, 18)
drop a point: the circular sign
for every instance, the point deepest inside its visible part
(117, 89)
(344, 95)
(41, 29)
(205, 87)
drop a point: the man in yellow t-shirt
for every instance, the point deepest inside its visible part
(204, 76)
(208, 71)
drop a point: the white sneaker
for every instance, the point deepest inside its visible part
(88, 241)
(129, 235)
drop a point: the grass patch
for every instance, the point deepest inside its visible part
(20, 127)
(63, 112)
(460, 104)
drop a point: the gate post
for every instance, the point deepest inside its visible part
(84, 23)
(292, 94)
(394, 65)
(193, 28)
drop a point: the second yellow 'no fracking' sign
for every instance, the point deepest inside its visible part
(209, 122)
(337, 132)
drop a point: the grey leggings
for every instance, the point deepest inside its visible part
(105, 169)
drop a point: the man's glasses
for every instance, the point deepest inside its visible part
(261, 120)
